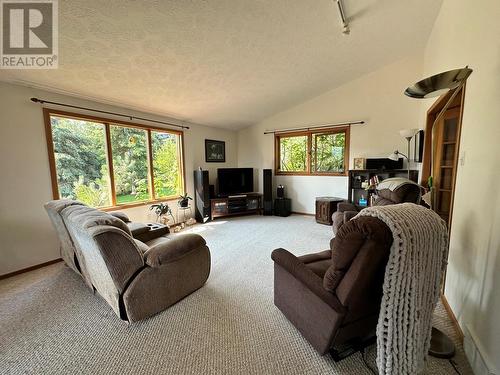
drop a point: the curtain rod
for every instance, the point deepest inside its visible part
(314, 127)
(41, 101)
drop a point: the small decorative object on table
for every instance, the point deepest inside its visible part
(161, 210)
(359, 163)
(215, 151)
(362, 201)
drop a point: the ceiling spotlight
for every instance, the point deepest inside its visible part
(345, 25)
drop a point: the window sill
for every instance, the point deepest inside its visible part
(137, 204)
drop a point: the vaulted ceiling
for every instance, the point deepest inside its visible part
(226, 63)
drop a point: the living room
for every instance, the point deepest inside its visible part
(148, 101)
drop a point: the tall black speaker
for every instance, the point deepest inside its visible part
(201, 196)
(268, 192)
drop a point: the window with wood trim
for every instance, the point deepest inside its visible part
(107, 163)
(314, 152)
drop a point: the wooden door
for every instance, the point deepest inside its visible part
(447, 133)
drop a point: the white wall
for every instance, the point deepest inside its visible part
(468, 33)
(27, 237)
(376, 98)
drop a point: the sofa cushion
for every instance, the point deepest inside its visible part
(141, 246)
(318, 262)
(171, 250)
(88, 217)
(158, 240)
(320, 267)
(352, 236)
(120, 215)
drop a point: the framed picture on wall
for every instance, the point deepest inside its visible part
(215, 151)
(359, 163)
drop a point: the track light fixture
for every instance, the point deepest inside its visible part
(345, 25)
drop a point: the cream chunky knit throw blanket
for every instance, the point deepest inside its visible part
(411, 285)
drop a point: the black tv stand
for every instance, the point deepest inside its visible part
(240, 204)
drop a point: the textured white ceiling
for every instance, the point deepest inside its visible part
(226, 63)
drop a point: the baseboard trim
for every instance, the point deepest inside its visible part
(45, 264)
(453, 318)
(474, 351)
(302, 213)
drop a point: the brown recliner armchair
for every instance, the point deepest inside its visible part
(390, 191)
(333, 297)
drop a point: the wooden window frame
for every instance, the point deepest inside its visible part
(107, 122)
(309, 162)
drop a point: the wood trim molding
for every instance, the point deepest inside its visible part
(453, 318)
(151, 177)
(81, 116)
(32, 268)
(107, 122)
(50, 150)
(111, 172)
(301, 213)
(432, 113)
(309, 162)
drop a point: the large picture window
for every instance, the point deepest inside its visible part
(320, 152)
(106, 163)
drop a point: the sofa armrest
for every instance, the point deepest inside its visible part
(136, 229)
(313, 282)
(173, 249)
(346, 206)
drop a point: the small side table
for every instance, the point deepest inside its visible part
(186, 212)
(325, 207)
(282, 207)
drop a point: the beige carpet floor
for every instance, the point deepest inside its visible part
(50, 323)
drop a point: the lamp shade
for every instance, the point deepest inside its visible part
(408, 133)
(438, 84)
(394, 156)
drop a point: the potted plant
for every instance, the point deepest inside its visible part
(160, 210)
(184, 200)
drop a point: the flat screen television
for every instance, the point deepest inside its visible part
(233, 181)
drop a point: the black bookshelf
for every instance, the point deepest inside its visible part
(358, 176)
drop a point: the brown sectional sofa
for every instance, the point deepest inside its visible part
(137, 279)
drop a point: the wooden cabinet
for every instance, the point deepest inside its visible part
(446, 133)
(325, 207)
(236, 205)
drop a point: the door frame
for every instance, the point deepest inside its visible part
(427, 161)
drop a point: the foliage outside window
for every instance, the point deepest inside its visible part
(130, 164)
(293, 153)
(322, 152)
(146, 163)
(166, 164)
